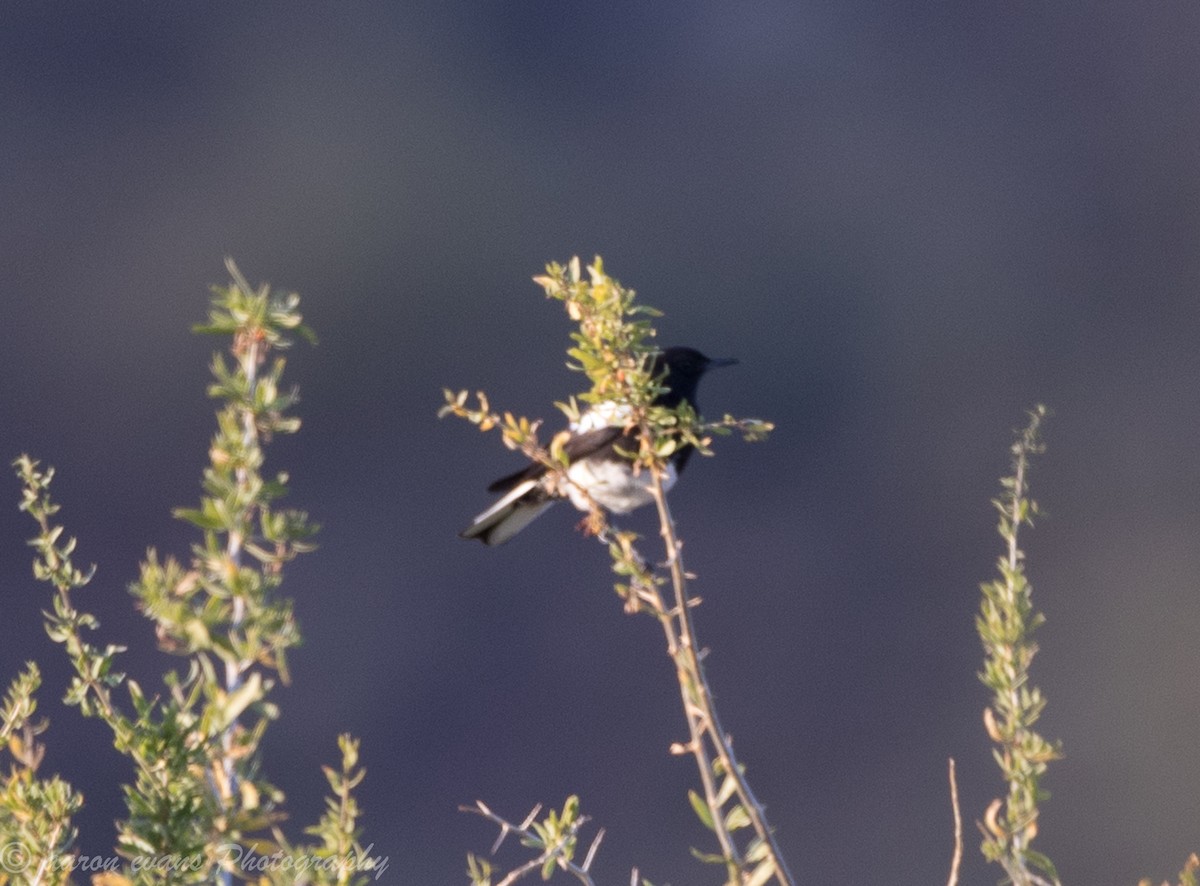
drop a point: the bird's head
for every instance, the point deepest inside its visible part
(683, 368)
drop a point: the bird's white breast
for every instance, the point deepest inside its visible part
(602, 415)
(612, 485)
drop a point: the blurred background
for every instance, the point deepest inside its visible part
(910, 221)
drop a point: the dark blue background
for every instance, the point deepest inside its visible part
(910, 221)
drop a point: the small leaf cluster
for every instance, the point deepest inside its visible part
(1189, 876)
(90, 688)
(554, 839)
(614, 346)
(36, 832)
(757, 865)
(339, 858)
(613, 338)
(249, 315)
(516, 432)
(1006, 624)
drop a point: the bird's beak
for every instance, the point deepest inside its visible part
(718, 362)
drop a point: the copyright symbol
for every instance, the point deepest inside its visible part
(13, 858)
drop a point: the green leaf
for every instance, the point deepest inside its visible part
(728, 786)
(700, 807)
(241, 698)
(737, 818)
(1042, 863)
(708, 857)
(761, 874)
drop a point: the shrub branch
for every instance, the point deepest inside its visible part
(199, 802)
(1006, 624)
(613, 346)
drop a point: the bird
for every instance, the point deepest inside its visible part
(597, 471)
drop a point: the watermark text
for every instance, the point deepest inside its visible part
(16, 858)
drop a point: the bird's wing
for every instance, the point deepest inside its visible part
(577, 447)
(509, 515)
(590, 442)
(511, 481)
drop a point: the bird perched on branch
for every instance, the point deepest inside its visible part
(597, 470)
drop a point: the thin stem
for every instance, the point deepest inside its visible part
(1021, 875)
(956, 860)
(45, 862)
(1014, 559)
(250, 354)
(680, 640)
(701, 709)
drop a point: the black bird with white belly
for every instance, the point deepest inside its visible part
(595, 465)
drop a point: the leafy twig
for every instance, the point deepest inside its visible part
(1006, 623)
(555, 838)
